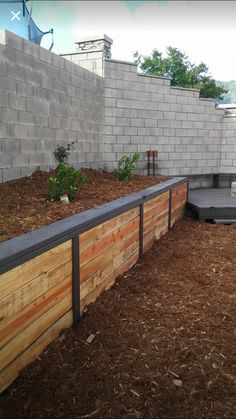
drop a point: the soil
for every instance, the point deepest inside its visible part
(164, 340)
(25, 207)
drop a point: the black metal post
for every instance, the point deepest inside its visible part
(75, 282)
(216, 180)
(170, 209)
(141, 230)
(187, 191)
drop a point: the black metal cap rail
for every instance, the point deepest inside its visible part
(18, 250)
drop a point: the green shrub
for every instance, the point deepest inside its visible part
(126, 165)
(62, 153)
(67, 180)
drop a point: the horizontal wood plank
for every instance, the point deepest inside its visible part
(103, 259)
(23, 296)
(152, 235)
(87, 238)
(34, 268)
(101, 244)
(101, 274)
(10, 327)
(156, 211)
(156, 201)
(109, 281)
(28, 335)
(10, 373)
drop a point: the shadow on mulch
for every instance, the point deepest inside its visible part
(164, 344)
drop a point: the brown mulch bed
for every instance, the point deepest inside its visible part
(24, 204)
(164, 346)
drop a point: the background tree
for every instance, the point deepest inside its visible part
(181, 71)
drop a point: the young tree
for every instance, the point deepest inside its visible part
(181, 71)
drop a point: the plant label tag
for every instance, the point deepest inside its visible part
(64, 199)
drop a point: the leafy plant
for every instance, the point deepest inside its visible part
(67, 180)
(126, 165)
(62, 153)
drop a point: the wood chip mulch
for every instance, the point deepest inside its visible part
(24, 205)
(162, 340)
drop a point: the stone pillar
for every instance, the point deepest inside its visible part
(91, 52)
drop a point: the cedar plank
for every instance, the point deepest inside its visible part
(11, 372)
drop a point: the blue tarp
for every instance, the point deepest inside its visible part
(15, 17)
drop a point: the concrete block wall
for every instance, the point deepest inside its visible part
(228, 148)
(46, 100)
(145, 112)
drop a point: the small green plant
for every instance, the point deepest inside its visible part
(126, 165)
(66, 181)
(62, 153)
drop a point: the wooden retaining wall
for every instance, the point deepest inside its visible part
(49, 275)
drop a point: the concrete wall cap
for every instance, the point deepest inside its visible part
(95, 38)
(120, 62)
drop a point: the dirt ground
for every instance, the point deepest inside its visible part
(24, 204)
(164, 345)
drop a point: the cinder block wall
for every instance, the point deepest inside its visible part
(45, 100)
(228, 149)
(143, 112)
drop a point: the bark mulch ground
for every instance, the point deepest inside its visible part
(164, 344)
(24, 204)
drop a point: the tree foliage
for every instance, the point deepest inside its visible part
(181, 71)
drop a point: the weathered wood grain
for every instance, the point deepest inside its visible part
(28, 335)
(105, 229)
(21, 297)
(10, 373)
(151, 235)
(179, 196)
(155, 219)
(109, 281)
(103, 259)
(10, 327)
(101, 244)
(34, 268)
(108, 269)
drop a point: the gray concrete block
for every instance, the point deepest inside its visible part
(123, 122)
(23, 60)
(118, 130)
(130, 130)
(20, 160)
(7, 84)
(4, 130)
(27, 146)
(13, 41)
(9, 116)
(27, 171)
(45, 55)
(5, 160)
(26, 118)
(8, 146)
(15, 72)
(11, 174)
(39, 159)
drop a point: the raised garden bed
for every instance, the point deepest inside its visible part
(164, 343)
(50, 274)
(24, 205)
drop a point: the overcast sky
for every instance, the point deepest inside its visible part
(204, 30)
